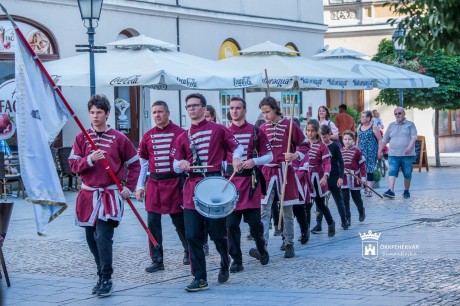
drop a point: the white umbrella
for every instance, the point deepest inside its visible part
(386, 76)
(142, 41)
(340, 52)
(286, 71)
(144, 61)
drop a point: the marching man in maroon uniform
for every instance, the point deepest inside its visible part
(277, 130)
(205, 143)
(99, 204)
(162, 195)
(257, 151)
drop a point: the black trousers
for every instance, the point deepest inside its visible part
(154, 224)
(100, 241)
(300, 214)
(194, 233)
(276, 211)
(356, 196)
(252, 218)
(321, 206)
(308, 207)
(337, 195)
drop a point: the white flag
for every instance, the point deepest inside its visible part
(40, 115)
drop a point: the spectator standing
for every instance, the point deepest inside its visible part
(401, 135)
(344, 121)
(377, 120)
(368, 142)
(5, 148)
(323, 118)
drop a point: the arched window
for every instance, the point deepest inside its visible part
(42, 41)
(39, 37)
(127, 33)
(229, 48)
(292, 46)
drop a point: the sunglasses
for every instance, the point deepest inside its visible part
(396, 114)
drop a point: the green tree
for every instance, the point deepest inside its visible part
(444, 68)
(430, 25)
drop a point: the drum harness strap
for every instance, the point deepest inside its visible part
(196, 158)
(257, 175)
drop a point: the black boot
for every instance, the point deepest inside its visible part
(317, 229)
(289, 251)
(344, 223)
(362, 215)
(305, 236)
(331, 230)
(154, 267)
(186, 259)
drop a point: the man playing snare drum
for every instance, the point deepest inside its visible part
(162, 193)
(250, 184)
(205, 144)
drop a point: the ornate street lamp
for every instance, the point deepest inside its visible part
(90, 10)
(398, 44)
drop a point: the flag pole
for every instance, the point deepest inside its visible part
(77, 120)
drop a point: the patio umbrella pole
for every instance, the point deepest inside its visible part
(85, 133)
(286, 165)
(267, 91)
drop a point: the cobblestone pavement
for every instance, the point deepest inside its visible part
(418, 261)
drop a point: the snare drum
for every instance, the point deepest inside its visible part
(211, 202)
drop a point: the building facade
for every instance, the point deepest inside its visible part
(210, 29)
(361, 25)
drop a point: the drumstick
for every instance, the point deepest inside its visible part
(233, 174)
(200, 167)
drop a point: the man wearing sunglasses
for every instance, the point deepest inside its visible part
(401, 135)
(206, 143)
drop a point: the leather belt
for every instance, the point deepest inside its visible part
(244, 172)
(207, 174)
(166, 176)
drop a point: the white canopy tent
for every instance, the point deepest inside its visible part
(144, 61)
(386, 76)
(287, 71)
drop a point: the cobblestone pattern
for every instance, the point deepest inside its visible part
(438, 277)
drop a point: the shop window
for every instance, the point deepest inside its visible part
(286, 103)
(224, 105)
(127, 102)
(449, 122)
(354, 99)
